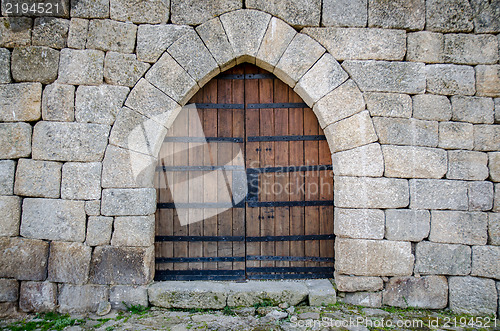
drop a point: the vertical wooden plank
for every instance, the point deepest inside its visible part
(326, 193)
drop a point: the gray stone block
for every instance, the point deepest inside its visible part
(58, 103)
(494, 229)
(15, 31)
(487, 137)
(69, 141)
(123, 69)
(351, 132)
(81, 67)
(493, 164)
(388, 104)
(351, 13)
(194, 12)
(297, 13)
(23, 259)
(253, 292)
(425, 46)
(35, 64)
(486, 16)
(11, 216)
(365, 299)
(358, 283)
(373, 257)
(359, 223)
(472, 109)
(81, 298)
(4, 66)
(406, 131)
(454, 135)
(9, 290)
(38, 179)
(20, 102)
(7, 172)
(38, 297)
(384, 76)
(450, 79)
(407, 224)
(15, 140)
(128, 202)
(480, 195)
(496, 199)
(277, 38)
(121, 296)
(99, 104)
(93, 207)
(428, 292)
(81, 181)
(397, 14)
(53, 219)
(438, 194)
(321, 292)
(153, 40)
(473, 296)
(431, 107)
(78, 32)
(449, 16)
(50, 32)
(215, 39)
(488, 80)
(486, 261)
(99, 230)
(467, 165)
(156, 11)
(442, 259)
(364, 161)
(133, 231)
(188, 295)
(90, 8)
(457, 227)
(69, 263)
(109, 35)
(122, 265)
(470, 49)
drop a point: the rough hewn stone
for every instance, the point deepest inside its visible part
(93, 207)
(429, 292)
(81, 67)
(123, 69)
(431, 107)
(253, 292)
(496, 199)
(438, 194)
(38, 178)
(122, 265)
(50, 32)
(494, 229)
(7, 172)
(90, 8)
(81, 181)
(23, 259)
(277, 38)
(486, 261)
(35, 64)
(155, 11)
(78, 32)
(494, 166)
(69, 141)
(352, 13)
(449, 16)
(11, 216)
(20, 102)
(487, 137)
(9, 290)
(425, 46)
(456, 227)
(52, 219)
(99, 230)
(295, 12)
(470, 49)
(321, 292)
(81, 298)
(125, 202)
(388, 104)
(4, 66)
(486, 16)
(359, 223)
(153, 40)
(366, 299)
(361, 161)
(488, 80)
(444, 259)
(109, 35)
(15, 140)
(194, 12)
(121, 296)
(38, 297)
(398, 14)
(15, 31)
(351, 132)
(473, 295)
(472, 109)
(188, 295)
(450, 79)
(133, 231)
(453, 135)
(404, 131)
(467, 165)
(358, 283)
(407, 224)
(69, 262)
(99, 104)
(58, 103)
(480, 195)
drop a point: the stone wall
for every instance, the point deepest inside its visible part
(407, 91)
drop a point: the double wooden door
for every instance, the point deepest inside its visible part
(245, 185)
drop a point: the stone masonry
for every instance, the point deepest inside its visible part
(407, 92)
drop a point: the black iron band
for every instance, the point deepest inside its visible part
(203, 139)
(276, 105)
(286, 138)
(247, 76)
(200, 259)
(220, 105)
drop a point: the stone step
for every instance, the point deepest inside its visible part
(217, 295)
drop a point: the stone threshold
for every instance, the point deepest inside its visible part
(219, 294)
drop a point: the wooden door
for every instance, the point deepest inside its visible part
(245, 185)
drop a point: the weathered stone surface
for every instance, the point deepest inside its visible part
(429, 292)
(442, 259)
(472, 295)
(7, 171)
(353, 13)
(38, 178)
(486, 16)
(121, 296)
(161, 74)
(450, 79)
(69, 262)
(399, 14)
(125, 202)
(365, 299)
(487, 137)
(23, 259)
(494, 229)
(431, 107)
(9, 290)
(358, 283)
(359, 223)
(11, 216)
(456, 227)
(81, 298)
(425, 46)
(251, 293)
(78, 32)
(277, 38)
(81, 67)
(294, 12)
(15, 31)
(449, 16)
(175, 294)
(38, 297)
(134, 231)
(90, 8)
(373, 257)
(407, 224)
(69, 141)
(93, 207)
(81, 181)
(300, 55)
(342, 102)
(453, 135)
(377, 192)
(321, 292)
(470, 49)
(496, 199)
(480, 195)
(438, 194)
(486, 261)
(35, 64)
(15, 140)
(58, 103)
(20, 102)
(153, 40)
(351, 132)
(404, 131)
(467, 165)
(155, 11)
(361, 161)
(50, 32)
(324, 76)
(108, 35)
(388, 104)
(122, 265)
(4, 66)
(494, 166)
(472, 109)
(123, 69)
(52, 219)
(194, 12)
(384, 76)
(488, 80)
(99, 230)
(99, 104)
(215, 39)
